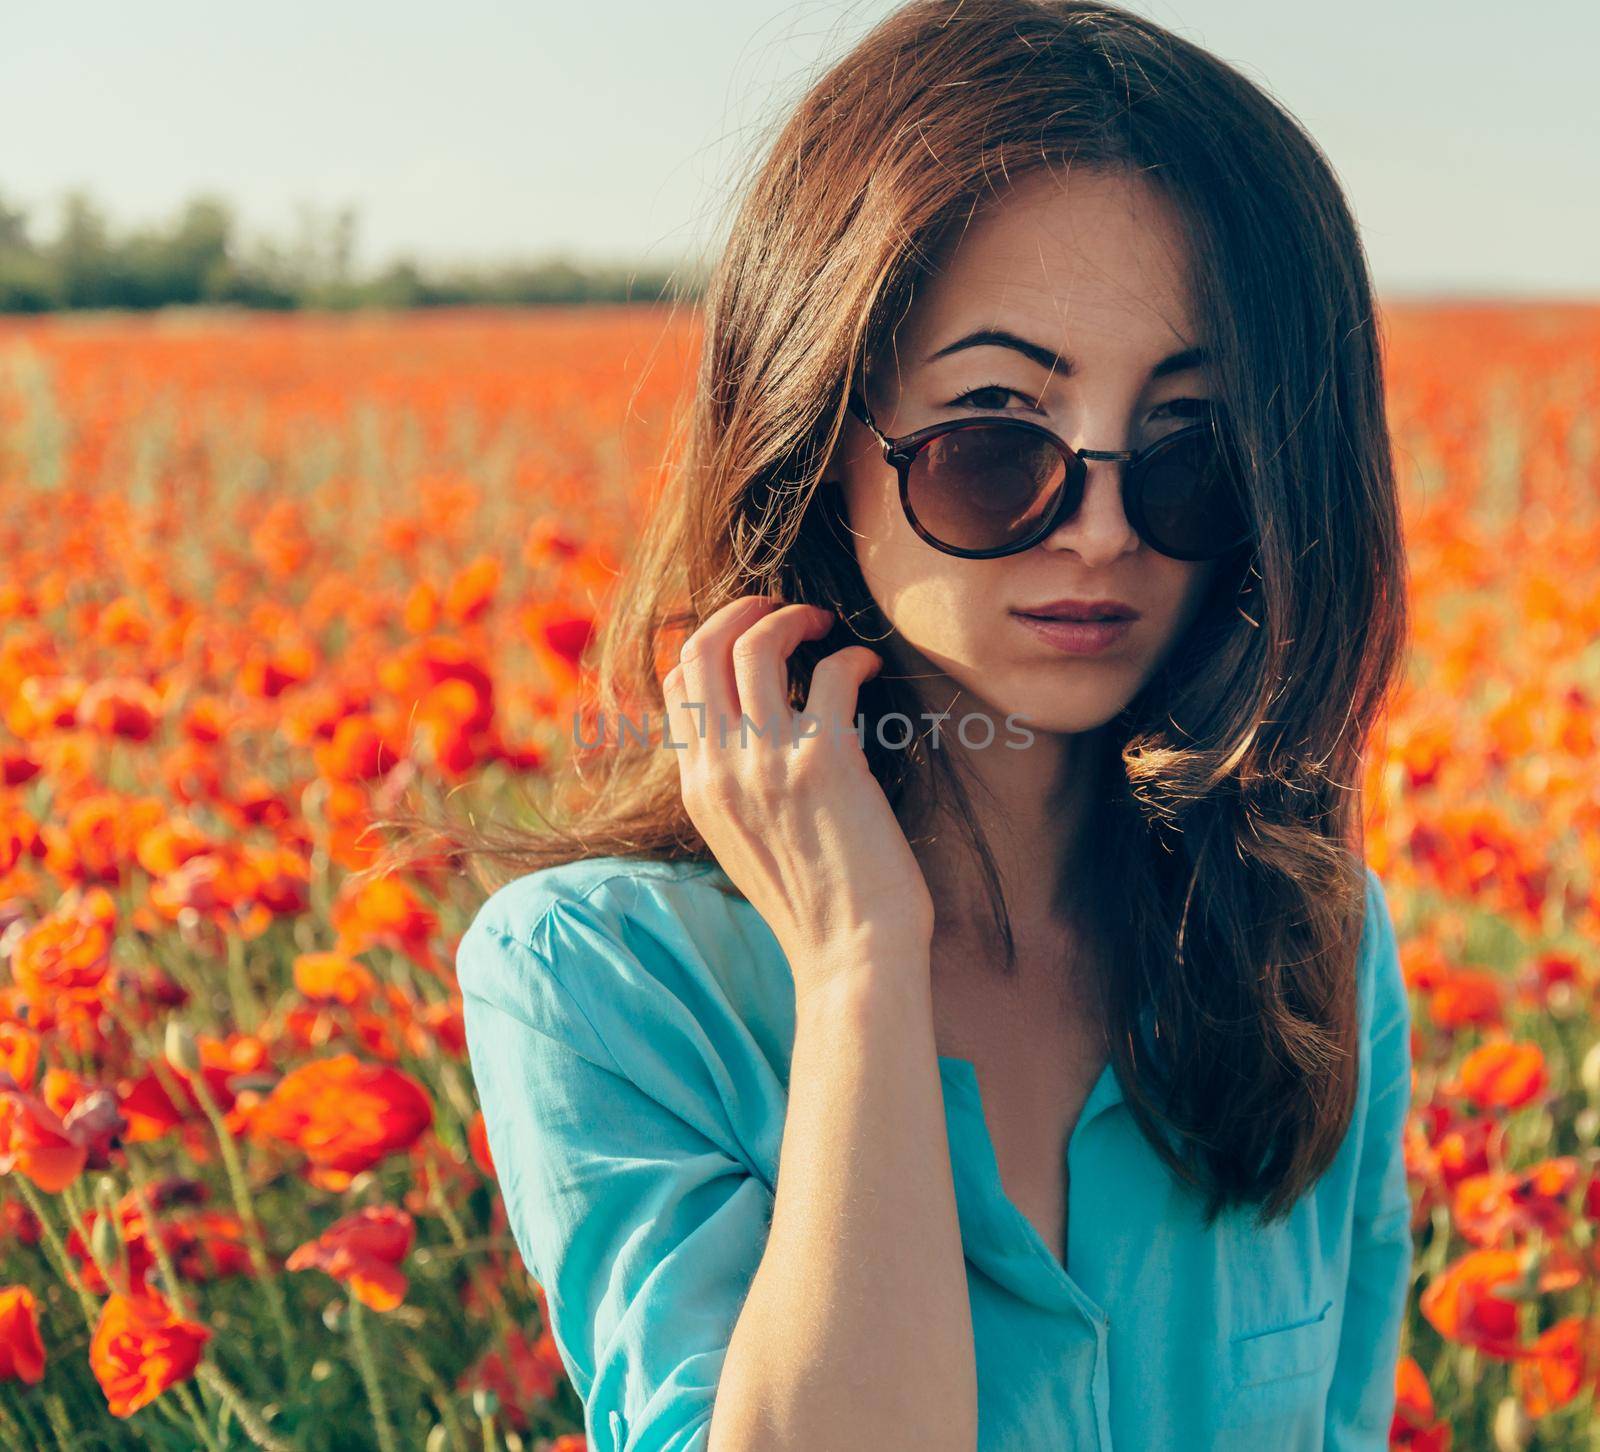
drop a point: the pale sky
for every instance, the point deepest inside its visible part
(1467, 134)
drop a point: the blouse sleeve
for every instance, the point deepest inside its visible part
(643, 1228)
(1361, 1399)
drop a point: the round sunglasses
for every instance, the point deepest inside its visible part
(986, 487)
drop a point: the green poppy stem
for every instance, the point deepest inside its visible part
(244, 1203)
(192, 1407)
(368, 1367)
(249, 1418)
(57, 1248)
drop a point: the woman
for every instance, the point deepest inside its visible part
(1046, 952)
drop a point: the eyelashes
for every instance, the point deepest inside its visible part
(1188, 407)
(1179, 407)
(964, 401)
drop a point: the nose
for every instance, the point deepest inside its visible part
(1097, 531)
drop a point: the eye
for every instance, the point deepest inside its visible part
(1185, 408)
(1172, 407)
(970, 397)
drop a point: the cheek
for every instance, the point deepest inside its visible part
(936, 601)
(1203, 574)
(1181, 592)
(884, 543)
(875, 518)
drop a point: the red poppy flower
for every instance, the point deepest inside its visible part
(364, 1251)
(346, 1115)
(140, 1348)
(21, 1350)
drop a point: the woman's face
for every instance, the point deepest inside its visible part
(1089, 267)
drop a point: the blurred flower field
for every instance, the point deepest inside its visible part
(263, 576)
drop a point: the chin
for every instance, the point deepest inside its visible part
(1069, 709)
(1064, 720)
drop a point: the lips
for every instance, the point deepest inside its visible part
(1081, 610)
(1076, 637)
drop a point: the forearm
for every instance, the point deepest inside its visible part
(856, 1331)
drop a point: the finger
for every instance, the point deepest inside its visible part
(711, 693)
(682, 737)
(836, 682)
(761, 660)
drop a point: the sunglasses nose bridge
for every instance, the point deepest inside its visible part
(1125, 456)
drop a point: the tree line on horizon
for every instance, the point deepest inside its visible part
(198, 258)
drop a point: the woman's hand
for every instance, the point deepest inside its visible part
(796, 820)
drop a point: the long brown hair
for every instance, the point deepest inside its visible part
(1228, 863)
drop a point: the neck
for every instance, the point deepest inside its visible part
(1032, 805)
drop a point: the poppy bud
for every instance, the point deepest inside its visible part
(485, 1403)
(1589, 1071)
(1513, 1430)
(183, 1053)
(105, 1241)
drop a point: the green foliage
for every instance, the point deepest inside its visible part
(197, 258)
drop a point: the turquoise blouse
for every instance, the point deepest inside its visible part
(630, 1029)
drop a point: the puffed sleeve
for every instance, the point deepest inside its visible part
(627, 1197)
(1362, 1397)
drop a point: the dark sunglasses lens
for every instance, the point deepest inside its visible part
(984, 487)
(1190, 499)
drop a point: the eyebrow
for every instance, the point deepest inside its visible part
(1057, 363)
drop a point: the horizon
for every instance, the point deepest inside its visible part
(459, 169)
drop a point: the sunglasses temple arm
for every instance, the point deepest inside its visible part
(858, 406)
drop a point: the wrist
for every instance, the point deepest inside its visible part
(865, 974)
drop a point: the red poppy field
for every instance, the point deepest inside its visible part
(265, 576)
